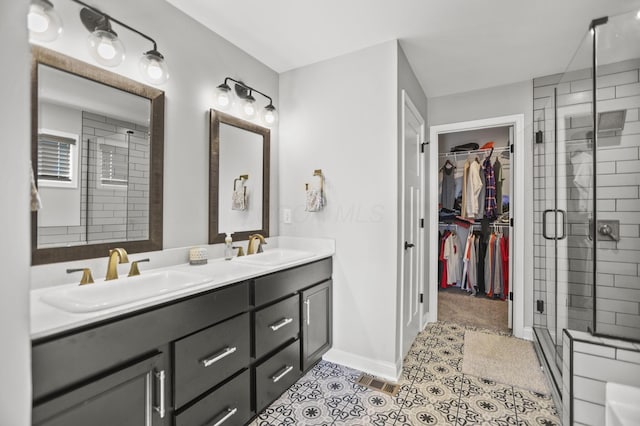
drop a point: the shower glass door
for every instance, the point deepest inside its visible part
(617, 183)
(563, 204)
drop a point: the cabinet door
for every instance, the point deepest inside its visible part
(134, 395)
(317, 332)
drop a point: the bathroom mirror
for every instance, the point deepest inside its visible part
(97, 155)
(238, 178)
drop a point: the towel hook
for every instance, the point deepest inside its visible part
(317, 172)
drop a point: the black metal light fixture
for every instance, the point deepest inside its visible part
(224, 100)
(103, 42)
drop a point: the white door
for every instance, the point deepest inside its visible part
(412, 137)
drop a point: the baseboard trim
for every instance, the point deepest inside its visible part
(384, 370)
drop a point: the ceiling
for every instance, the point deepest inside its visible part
(453, 46)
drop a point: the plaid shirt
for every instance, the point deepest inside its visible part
(490, 189)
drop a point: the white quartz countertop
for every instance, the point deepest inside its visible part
(48, 320)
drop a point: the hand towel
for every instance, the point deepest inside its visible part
(315, 200)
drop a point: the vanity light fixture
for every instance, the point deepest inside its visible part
(108, 50)
(224, 100)
(43, 21)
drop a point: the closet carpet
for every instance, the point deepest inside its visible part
(460, 307)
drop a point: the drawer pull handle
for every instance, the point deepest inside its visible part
(160, 376)
(217, 357)
(280, 374)
(308, 303)
(226, 414)
(281, 324)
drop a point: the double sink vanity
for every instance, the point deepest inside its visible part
(183, 345)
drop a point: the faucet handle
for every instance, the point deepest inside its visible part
(87, 278)
(133, 271)
(240, 250)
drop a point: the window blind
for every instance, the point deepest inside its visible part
(114, 164)
(54, 157)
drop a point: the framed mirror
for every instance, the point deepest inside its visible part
(238, 178)
(97, 152)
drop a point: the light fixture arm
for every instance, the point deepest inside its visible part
(246, 87)
(110, 18)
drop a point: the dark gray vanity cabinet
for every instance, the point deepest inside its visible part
(317, 330)
(218, 357)
(129, 396)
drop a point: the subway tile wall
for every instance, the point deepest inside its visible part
(617, 287)
(588, 364)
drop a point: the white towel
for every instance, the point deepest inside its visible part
(239, 199)
(315, 200)
(36, 202)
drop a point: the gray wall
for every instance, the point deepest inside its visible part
(15, 250)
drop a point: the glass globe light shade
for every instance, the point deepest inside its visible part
(223, 97)
(248, 107)
(43, 22)
(269, 115)
(106, 48)
(153, 67)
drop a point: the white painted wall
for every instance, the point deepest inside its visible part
(198, 60)
(15, 250)
(339, 116)
(494, 102)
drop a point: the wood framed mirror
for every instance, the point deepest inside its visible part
(238, 178)
(97, 151)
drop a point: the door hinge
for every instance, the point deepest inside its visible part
(422, 145)
(511, 148)
(511, 222)
(421, 298)
(540, 306)
(510, 295)
(421, 223)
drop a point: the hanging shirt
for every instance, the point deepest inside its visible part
(474, 187)
(497, 171)
(465, 173)
(481, 195)
(453, 257)
(448, 186)
(490, 189)
(443, 260)
(504, 248)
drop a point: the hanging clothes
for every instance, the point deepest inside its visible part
(490, 189)
(482, 194)
(442, 260)
(448, 196)
(497, 171)
(482, 254)
(504, 249)
(469, 279)
(453, 257)
(474, 187)
(465, 173)
(497, 278)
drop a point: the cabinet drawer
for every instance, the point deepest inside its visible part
(277, 374)
(206, 358)
(230, 405)
(276, 324)
(280, 284)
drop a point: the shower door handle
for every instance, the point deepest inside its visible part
(555, 222)
(564, 224)
(544, 224)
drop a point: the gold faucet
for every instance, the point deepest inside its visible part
(116, 256)
(253, 240)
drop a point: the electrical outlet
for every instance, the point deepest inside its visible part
(286, 215)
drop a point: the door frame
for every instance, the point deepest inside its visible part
(517, 204)
(407, 103)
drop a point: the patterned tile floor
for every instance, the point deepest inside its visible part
(433, 391)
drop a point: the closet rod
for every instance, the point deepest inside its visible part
(475, 151)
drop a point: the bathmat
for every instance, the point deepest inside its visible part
(503, 359)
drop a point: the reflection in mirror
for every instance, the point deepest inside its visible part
(239, 178)
(97, 155)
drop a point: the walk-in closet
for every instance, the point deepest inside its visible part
(474, 194)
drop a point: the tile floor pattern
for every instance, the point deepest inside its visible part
(433, 392)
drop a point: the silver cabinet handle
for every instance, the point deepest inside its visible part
(160, 376)
(226, 414)
(280, 374)
(308, 303)
(217, 357)
(280, 324)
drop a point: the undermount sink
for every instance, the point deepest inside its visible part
(108, 294)
(275, 257)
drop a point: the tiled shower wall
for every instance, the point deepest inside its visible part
(618, 193)
(117, 213)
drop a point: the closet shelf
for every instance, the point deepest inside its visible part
(475, 151)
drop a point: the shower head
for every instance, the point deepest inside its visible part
(610, 121)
